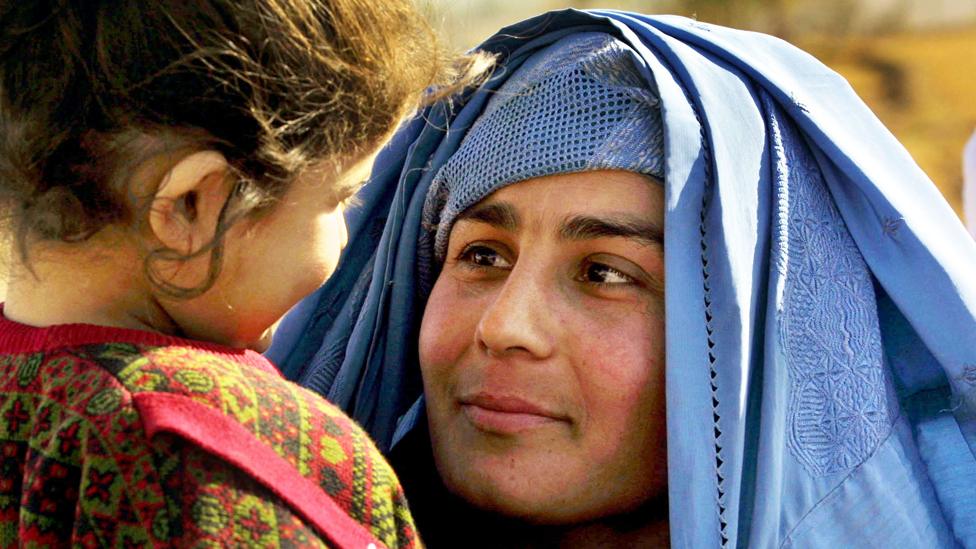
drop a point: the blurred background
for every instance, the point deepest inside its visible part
(912, 61)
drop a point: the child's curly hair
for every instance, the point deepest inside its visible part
(90, 88)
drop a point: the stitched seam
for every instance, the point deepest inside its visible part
(712, 372)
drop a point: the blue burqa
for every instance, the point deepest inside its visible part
(821, 298)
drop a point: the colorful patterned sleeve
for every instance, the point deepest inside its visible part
(119, 445)
(300, 448)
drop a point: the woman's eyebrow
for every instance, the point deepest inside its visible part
(583, 227)
(497, 214)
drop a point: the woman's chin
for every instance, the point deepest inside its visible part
(534, 508)
(536, 503)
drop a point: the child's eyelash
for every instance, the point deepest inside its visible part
(351, 201)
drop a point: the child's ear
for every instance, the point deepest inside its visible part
(188, 202)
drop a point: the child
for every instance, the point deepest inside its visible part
(174, 177)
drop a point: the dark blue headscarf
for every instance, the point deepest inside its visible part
(821, 297)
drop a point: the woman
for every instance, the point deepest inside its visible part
(812, 397)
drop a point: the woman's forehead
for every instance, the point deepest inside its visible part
(584, 193)
(577, 206)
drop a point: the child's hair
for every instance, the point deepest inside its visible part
(90, 88)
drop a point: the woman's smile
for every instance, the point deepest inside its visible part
(506, 415)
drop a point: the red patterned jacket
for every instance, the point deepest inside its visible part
(122, 438)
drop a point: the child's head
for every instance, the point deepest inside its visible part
(188, 124)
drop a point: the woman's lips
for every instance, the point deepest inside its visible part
(505, 414)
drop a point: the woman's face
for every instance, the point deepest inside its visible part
(542, 349)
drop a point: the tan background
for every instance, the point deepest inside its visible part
(912, 61)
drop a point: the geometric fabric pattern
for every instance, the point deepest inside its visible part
(77, 468)
(839, 408)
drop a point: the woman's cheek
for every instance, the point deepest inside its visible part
(626, 357)
(448, 325)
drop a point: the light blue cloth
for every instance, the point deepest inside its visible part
(821, 298)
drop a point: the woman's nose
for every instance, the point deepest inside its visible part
(518, 319)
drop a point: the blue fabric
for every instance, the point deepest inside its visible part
(577, 105)
(821, 297)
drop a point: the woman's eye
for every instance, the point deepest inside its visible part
(483, 256)
(598, 273)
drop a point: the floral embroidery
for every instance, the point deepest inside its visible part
(838, 410)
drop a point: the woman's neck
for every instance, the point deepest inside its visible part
(654, 533)
(646, 526)
(643, 527)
